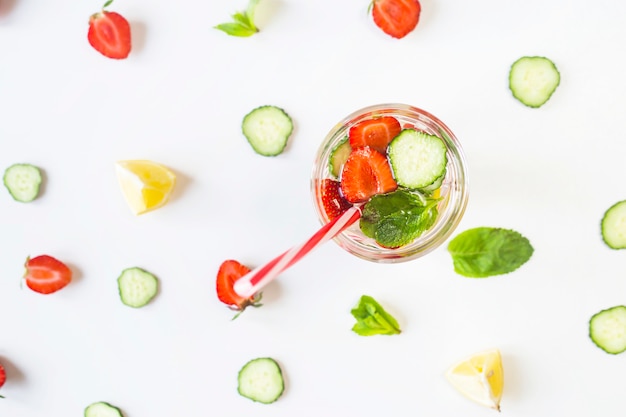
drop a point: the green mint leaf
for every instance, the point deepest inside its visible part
(372, 319)
(243, 22)
(236, 29)
(396, 219)
(485, 251)
(243, 19)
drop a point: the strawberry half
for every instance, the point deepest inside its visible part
(366, 173)
(3, 377)
(109, 33)
(375, 133)
(397, 18)
(45, 274)
(229, 272)
(334, 203)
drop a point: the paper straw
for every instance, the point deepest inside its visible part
(252, 282)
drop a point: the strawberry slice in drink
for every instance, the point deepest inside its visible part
(366, 173)
(333, 201)
(375, 133)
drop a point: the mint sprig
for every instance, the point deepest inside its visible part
(486, 251)
(396, 219)
(243, 22)
(372, 319)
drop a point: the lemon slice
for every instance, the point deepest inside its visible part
(480, 378)
(146, 185)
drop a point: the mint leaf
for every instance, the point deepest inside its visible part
(485, 251)
(396, 219)
(372, 319)
(243, 22)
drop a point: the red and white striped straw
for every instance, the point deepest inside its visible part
(252, 282)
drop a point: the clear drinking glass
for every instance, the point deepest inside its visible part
(453, 191)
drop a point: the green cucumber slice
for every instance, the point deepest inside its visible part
(102, 409)
(261, 380)
(533, 79)
(23, 182)
(613, 226)
(607, 329)
(137, 287)
(267, 129)
(339, 156)
(417, 158)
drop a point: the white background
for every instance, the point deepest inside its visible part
(179, 99)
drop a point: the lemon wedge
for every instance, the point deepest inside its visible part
(146, 185)
(480, 378)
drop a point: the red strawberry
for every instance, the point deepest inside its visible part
(366, 173)
(3, 377)
(109, 33)
(229, 272)
(375, 133)
(45, 274)
(334, 203)
(396, 18)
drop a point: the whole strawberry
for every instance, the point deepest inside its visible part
(397, 18)
(229, 272)
(109, 33)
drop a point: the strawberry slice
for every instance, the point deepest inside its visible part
(229, 272)
(397, 18)
(3, 377)
(109, 33)
(334, 203)
(366, 173)
(375, 133)
(45, 274)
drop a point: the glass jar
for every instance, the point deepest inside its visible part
(453, 192)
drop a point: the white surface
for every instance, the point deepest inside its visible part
(179, 99)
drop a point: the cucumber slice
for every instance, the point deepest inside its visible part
(137, 287)
(339, 156)
(261, 380)
(417, 158)
(613, 226)
(607, 329)
(267, 129)
(533, 79)
(102, 409)
(429, 189)
(23, 182)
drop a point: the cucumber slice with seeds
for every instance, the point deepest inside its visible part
(102, 409)
(261, 380)
(417, 158)
(613, 226)
(338, 156)
(23, 182)
(267, 129)
(137, 287)
(607, 329)
(533, 79)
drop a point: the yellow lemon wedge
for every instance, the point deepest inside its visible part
(480, 378)
(146, 185)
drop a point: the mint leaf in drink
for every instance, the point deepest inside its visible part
(372, 319)
(243, 22)
(397, 218)
(486, 251)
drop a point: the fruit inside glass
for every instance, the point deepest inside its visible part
(447, 196)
